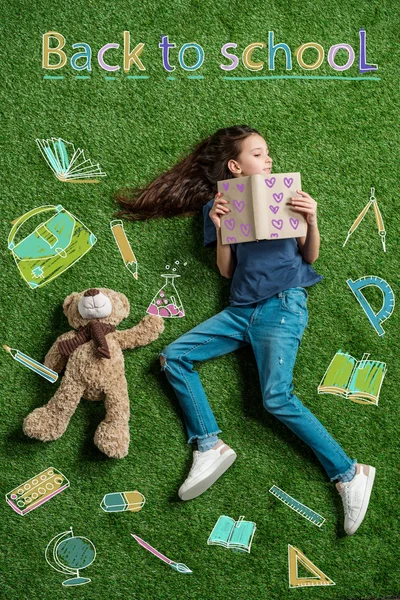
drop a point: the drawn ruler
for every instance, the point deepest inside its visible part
(297, 506)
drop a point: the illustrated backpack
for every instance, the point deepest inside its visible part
(53, 247)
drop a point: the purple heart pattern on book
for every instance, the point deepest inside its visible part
(260, 208)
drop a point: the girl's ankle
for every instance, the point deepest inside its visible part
(207, 443)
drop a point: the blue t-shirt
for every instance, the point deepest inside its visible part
(263, 268)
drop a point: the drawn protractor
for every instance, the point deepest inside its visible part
(388, 299)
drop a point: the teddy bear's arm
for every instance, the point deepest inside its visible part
(53, 359)
(143, 333)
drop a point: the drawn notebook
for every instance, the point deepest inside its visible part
(229, 533)
(358, 380)
(259, 208)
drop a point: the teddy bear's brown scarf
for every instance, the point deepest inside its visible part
(94, 330)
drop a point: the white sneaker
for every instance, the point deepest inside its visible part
(355, 495)
(207, 467)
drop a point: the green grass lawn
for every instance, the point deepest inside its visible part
(341, 136)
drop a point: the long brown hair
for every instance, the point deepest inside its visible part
(191, 183)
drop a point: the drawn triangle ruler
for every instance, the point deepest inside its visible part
(317, 578)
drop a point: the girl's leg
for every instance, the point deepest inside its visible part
(215, 337)
(219, 335)
(275, 335)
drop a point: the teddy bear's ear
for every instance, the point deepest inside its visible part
(68, 301)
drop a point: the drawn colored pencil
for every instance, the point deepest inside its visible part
(32, 364)
(124, 247)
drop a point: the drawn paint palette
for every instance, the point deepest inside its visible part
(36, 491)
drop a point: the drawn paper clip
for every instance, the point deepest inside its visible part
(240, 519)
(180, 567)
(122, 501)
(124, 247)
(36, 491)
(363, 361)
(35, 366)
(297, 506)
(378, 218)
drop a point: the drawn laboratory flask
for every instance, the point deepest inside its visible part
(166, 303)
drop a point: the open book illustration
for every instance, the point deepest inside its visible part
(69, 163)
(358, 380)
(259, 208)
(229, 533)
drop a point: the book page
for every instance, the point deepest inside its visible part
(338, 373)
(278, 219)
(242, 535)
(238, 225)
(368, 378)
(222, 530)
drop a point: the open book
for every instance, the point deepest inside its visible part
(358, 380)
(259, 208)
(68, 163)
(229, 533)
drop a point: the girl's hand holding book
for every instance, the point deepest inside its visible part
(305, 205)
(218, 208)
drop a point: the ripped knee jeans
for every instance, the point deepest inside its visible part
(274, 328)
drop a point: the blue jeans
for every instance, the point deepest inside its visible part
(274, 328)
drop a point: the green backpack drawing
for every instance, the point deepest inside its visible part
(52, 248)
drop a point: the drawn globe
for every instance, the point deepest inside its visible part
(76, 552)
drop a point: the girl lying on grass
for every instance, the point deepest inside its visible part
(267, 310)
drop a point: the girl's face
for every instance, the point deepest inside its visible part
(253, 159)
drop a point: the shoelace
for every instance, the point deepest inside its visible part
(192, 468)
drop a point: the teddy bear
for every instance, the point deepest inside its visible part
(92, 355)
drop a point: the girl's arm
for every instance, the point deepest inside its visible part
(309, 245)
(225, 259)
